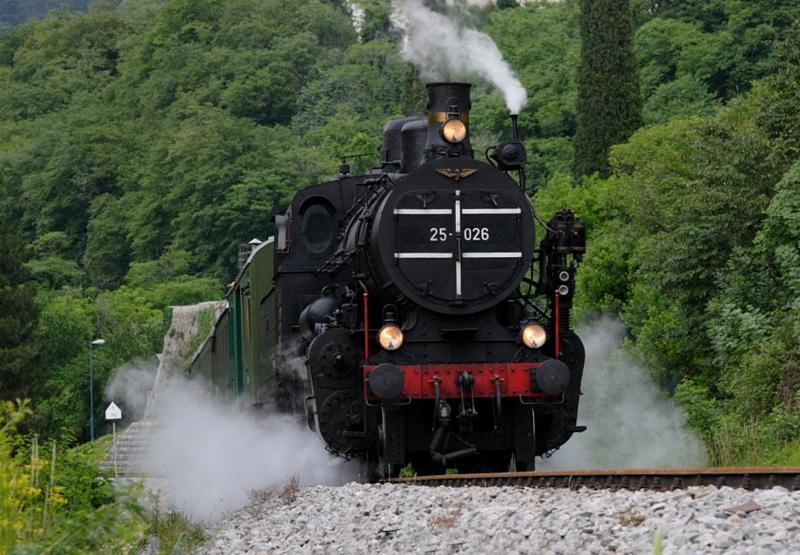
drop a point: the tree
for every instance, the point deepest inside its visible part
(779, 100)
(107, 254)
(609, 100)
(18, 315)
(376, 22)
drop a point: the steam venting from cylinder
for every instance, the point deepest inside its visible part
(443, 50)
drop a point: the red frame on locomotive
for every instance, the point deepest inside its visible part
(516, 379)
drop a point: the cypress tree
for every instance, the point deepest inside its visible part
(609, 106)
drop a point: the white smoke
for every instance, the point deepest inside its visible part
(214, 454)
(630, 423)
(210, 452)
(443, 50)
(130, 386)
(291, 362)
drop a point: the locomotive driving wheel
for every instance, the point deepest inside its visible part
(346, 423)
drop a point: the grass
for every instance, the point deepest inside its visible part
(289, 492)
(175, 533)
(742, 444)
(750, 444)
(408, 471)
(788, 455)
(658, 543)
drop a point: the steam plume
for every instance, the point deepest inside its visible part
(443, 50)
(630, 422)
(210, 452)
(212, 455)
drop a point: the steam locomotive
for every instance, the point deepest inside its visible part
(406, 314)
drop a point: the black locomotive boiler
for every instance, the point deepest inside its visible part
(409, 314)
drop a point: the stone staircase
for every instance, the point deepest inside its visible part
(127, 459)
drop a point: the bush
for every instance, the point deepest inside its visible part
(54, 499)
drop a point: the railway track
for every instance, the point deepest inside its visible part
(751, 478)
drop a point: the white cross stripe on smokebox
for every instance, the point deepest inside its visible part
(491, 211)
(423, 255)
(458, 232)
(421, 211)
(458, 211)
(491, 255)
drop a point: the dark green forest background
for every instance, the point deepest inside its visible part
(141, 142)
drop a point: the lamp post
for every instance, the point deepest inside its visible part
(92, 345)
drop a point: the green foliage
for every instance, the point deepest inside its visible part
(176, 533)
(377, 19)
(107, 255)
(205, 323)
(778, 99)
(609, 107)
(658, 542)
(694, 240)
(18, 317)
(734, 45)
(702, 409)
(54, 499)
(756, 317)
(49, 267)
(140, 145)
(132, 320)
(408, 471)
(137, 131)
(692, 60)
(683, 97)
(788, 454)
(678, 186)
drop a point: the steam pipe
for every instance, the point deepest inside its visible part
(557, 331)
(515, 137)
(514, 128)
(365, 298)
(436, 400)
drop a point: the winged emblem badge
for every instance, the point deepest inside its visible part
(457, 174)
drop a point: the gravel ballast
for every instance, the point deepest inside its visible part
(361, 518)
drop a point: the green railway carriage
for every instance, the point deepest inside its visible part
(238, 358)
(211, 363)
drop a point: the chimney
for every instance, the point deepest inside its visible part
(448, 101)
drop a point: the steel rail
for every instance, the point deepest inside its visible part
(752, 478)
